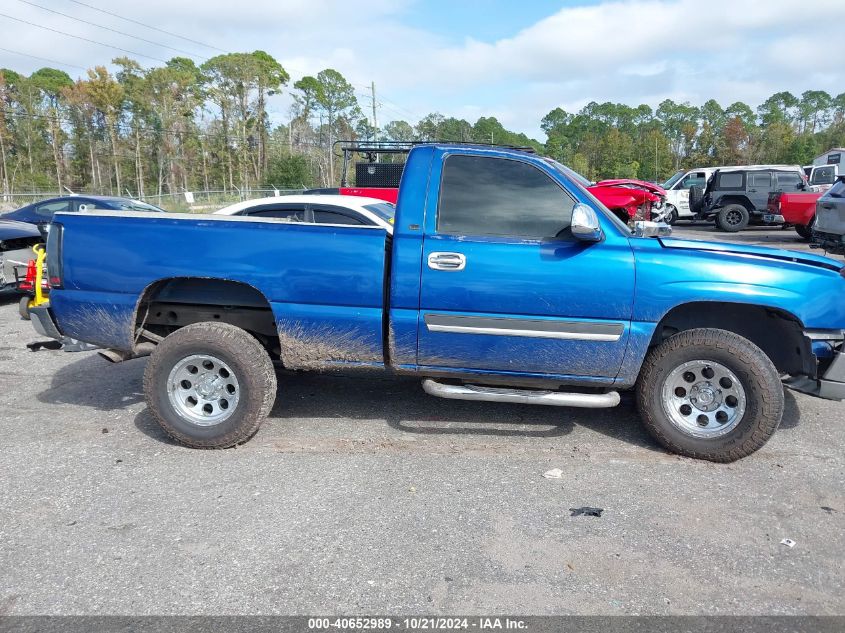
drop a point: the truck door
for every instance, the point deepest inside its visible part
(760, 184)
(505, 288)
(693, 178)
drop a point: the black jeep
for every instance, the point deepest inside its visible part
(736, 198)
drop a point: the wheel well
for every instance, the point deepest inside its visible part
(170, 304)
(778, 333)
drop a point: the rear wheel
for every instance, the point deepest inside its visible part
(806, 230)
(710, 394)
(733, 218)
(210, 385)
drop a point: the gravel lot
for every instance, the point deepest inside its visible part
(362, 494)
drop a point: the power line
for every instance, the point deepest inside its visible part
(84, 39)
(107, 28)
(43, 59)
(154, 28)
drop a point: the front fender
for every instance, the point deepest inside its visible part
(667, 278)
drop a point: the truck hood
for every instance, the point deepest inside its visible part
(10, 230)
(753, 251)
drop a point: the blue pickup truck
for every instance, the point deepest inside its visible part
(505, 281)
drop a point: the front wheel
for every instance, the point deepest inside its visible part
(671, 215)
(210, 385)
(710, 394)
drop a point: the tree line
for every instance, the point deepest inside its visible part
(186, 127)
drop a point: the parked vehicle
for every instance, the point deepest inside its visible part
(797, 208)
(677, 189)
(737, 197)
(829, 229)
(384, 194)
(505, 280)
(821, 177)
(41, 213)
(16, 242)
(630, 199)
(323, 209)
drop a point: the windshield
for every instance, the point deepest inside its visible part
(579, 181)
(668, 184)
(384, 210)
(135, 205)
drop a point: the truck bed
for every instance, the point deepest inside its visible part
(324, 283)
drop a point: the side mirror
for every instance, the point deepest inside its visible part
(652, 229)
(585, 224)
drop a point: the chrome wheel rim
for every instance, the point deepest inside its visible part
(703, 399)
(203, 390)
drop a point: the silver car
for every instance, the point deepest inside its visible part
(829, 229)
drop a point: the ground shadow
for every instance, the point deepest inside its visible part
(399, 401)
(94, 382)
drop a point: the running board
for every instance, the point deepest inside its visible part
(521, 396)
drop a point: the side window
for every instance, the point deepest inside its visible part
(789, 180)
(694, 179)
(731, 180)
(824, 176)
(760, 180)
(496, 196)
(47, 209)
(289, 213)
(324, 216)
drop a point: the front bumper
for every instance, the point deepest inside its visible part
(830, 384)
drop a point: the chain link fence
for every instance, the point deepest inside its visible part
(198, 201)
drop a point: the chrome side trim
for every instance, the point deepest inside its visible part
(521, 396)
(531, 328)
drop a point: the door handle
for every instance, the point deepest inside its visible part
(447, 261)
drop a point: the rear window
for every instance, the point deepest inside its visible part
(824, 175)
(135, 205)
(385, 211)
(730, 181)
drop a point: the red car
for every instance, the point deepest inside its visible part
(798, 209)
(629, 199)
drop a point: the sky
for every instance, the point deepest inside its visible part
(512, 59)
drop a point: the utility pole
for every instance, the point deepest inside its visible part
(375, 120)
(656, 177)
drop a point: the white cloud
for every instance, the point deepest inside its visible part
(630, 51)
